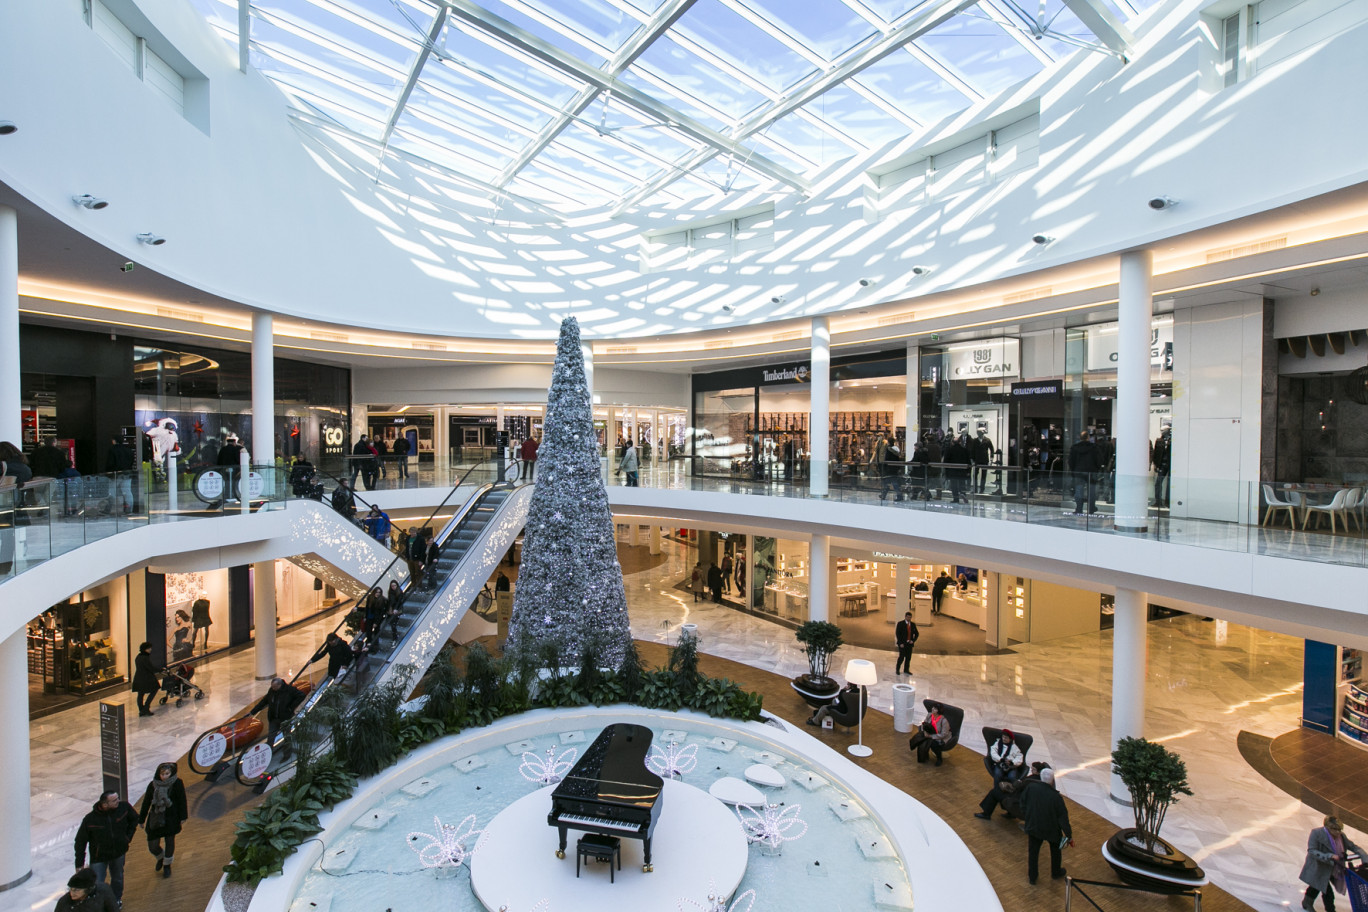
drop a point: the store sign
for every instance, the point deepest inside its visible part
(333, 439)
(209, 486)
(798, 373)
(1038, 389)
(1103, 342)
(986, 358)
(113, 748)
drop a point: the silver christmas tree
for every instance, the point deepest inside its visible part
(570, 583)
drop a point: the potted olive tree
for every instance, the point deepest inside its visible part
(820, 639)
(1155, 777)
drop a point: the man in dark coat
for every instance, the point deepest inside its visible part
(906, 634)
(401, 454)
(1084, 465)
(280, 703)
(48, 460)
(120, 461)
(344, 500)
(361, 457)
(956, 458)
(106, 831)
(715, 582)
(145, 679)
(1047, 820)
(938, 588)
(86, 894)
(1161, 456)
(338, 652)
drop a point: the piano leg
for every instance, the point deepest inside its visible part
(647, 867)
(560, 852)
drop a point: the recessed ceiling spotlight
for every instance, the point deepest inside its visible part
(868, 283)
(1041, 239)
(7, 127)
(1160, 203)
(727, 308)
(151, 240)
(90, 202)
(778, 299)
(920, 270)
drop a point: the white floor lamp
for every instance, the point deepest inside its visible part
(862, 673)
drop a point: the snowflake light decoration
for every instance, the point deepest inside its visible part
(449, 848)
(718, 903)
(771, 825)
(673, 761)
(550, 770)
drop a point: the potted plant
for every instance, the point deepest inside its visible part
(820, 639)
(1155, 777)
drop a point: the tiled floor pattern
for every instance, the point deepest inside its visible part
(1334, 770)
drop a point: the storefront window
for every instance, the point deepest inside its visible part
(196, 614)
(720, 431)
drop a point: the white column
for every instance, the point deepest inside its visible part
(901, 581)
(1136, 314)
(819, 417)
(1129, 658)
(14, 784)
(441, 441)
(819, 576)
(588, 350)
(655, 537)
(633, 530)
(11, 427)
(264, 614)
(913, 399)
(263, 389)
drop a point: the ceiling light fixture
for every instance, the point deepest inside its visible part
(151, 240)
(920, 270)
(778, 299)
(1041, 239)
(1160, 203)
(90, 202)
(869, 283)
(7, 127)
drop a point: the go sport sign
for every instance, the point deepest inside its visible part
(332, 439)
(984, 358)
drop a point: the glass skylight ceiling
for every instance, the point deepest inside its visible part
(583, 104)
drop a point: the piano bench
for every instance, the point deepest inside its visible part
(599, 848)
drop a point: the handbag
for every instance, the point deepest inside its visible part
(156, 820)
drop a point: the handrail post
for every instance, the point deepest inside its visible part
(172, 487)
(244, 467)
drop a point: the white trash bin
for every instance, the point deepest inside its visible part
(689, 631)
(904, 707)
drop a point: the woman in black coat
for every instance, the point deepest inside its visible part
(145, 679)
(162, 813)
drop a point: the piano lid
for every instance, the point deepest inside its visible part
(613, 769)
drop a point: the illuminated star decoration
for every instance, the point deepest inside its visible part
(718, 903)
(673, 761)
(199, 426)
(550, 770)
(771, 825)
(449, 848)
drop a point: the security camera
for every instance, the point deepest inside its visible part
(126, 267)
(1160, 203)
(7, 127)
(1041, 239)
(778, 299)
(151, 240)
(866, 283)
(920, 270)
(90, 202)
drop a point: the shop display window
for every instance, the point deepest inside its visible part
(82, 654)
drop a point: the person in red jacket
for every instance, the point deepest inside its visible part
(529, 458)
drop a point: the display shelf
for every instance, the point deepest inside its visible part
(1353, 714)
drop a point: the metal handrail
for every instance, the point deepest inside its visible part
(1072, 883)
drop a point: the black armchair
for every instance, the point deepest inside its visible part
(954, 717)
(844, 712)
(1023, 742)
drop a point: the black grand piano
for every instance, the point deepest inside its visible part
(610, 790)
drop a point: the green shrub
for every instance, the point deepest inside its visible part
(683, 664)
(269, 834)
(442, 686)
(416, 730)
(714, 696)
(659, 690)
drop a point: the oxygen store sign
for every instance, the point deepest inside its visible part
(985, 358)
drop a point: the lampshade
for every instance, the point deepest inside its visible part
(861, 672)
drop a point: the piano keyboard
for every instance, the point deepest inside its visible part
(598, 822)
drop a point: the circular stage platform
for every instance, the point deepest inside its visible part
(698, 846)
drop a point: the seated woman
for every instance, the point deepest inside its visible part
(933, 735)
(843, 704)
(1004, 759)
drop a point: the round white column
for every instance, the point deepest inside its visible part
(263, 389)
(819, 579)
(1129, 658)
(819, 413)
(15, 866)
(264, 614)
(655, 537)
(1131, 433)
(11, 426)
(902, 578)
(588, 350)
(913, 399)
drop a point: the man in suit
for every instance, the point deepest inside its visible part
(906, 634)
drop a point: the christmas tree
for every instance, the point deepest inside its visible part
(570, 584)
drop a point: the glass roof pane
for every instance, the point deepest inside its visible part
(736, 40)
(440, 107)
(451, 79)
(892, 10)
(680, 79)
(600, 24)
(392, 34)
(221, 14)
(442, 147)
(375, 75)
(906, 82)
(806, 141)
(981, 52)
(506, 66)
(599, 175)
(1058, 19)
(848, 111)
(827, 27)
(369, 122)
(624, 149)
(551, 188)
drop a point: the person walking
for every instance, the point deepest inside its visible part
(400, 451)
(956, 457)
(144, 679)
(696, 582)
(715, 582)
(1161, 457)
(1047, 820)
(86, 894)
(1323, 872)
(906, 634)
(630, 463)
(120, 461)
(162, 813)
(727, 573)
(106, 831)
(529, 458)
(1083, 465)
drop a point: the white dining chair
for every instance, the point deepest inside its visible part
(1336, 507)
(1275, 505)
(1353, 505)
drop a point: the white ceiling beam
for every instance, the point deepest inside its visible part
(415, 72)
(244, 34)
(1103, 23)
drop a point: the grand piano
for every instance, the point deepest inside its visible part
(610, 790)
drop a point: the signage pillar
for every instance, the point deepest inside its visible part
(14, 754)
(11, 426)
(819, 573)
(264, 616)
(1128, 675)
(263, 389)
(501, 453)
(913, 399)
(819, 418)
(114, 749)
(1131, 433)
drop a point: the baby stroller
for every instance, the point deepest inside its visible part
(176, 683)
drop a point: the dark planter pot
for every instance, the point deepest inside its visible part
(815, 691)
(1165, 870)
